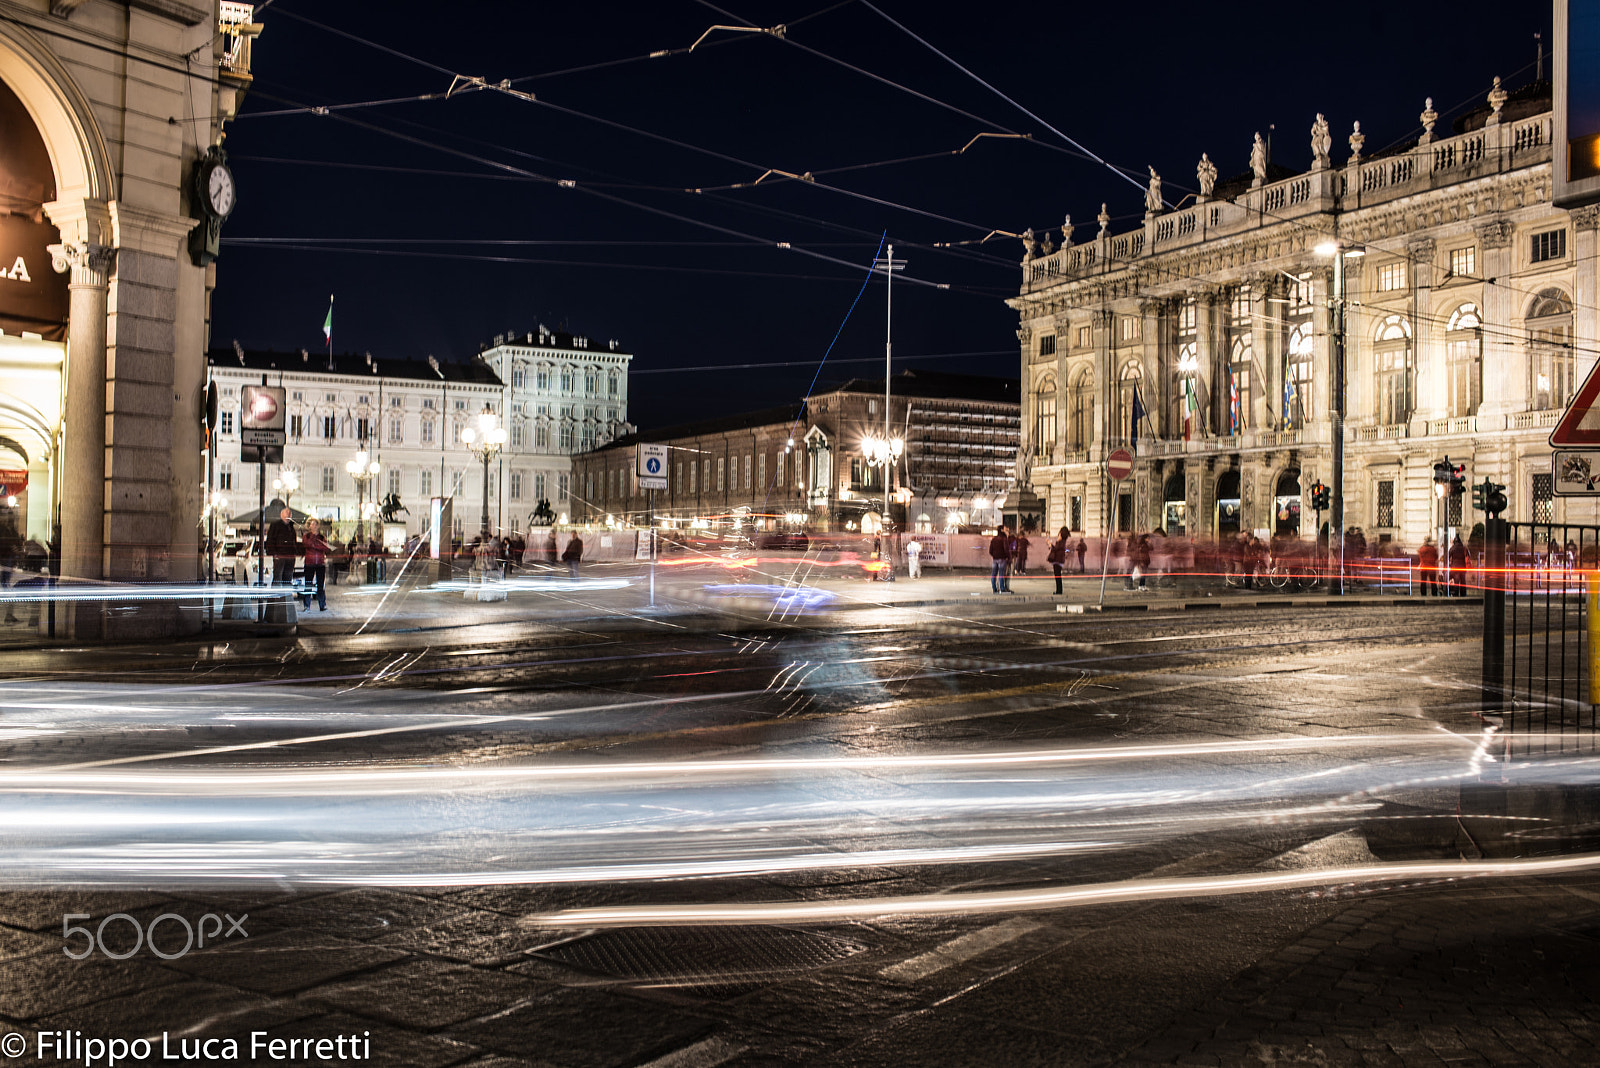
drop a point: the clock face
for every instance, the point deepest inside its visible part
(219, 191)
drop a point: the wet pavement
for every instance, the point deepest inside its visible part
(911, 833)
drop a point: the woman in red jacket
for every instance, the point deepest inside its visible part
(316, 551)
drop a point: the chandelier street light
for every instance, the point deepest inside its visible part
(1338, 252)
(286, 485)
(485, 441)
(365, 472)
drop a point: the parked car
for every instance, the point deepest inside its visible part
(237, 563)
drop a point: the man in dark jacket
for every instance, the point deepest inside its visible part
(283, 545)
(1000, 561)
(573, 554)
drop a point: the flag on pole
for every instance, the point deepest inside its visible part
(1138, 414)
(1288, 398)
(1191, 404)
(327, 325)
(1233, 404)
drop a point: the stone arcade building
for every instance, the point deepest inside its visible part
(106, 110)
(1470, 322)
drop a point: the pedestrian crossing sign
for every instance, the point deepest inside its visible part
(1579, 425)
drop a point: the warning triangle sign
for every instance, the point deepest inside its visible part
(1579, 425)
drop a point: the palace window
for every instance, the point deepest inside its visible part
(722, 473)
(330, 427)
(1239, 395)
(562, 486)
(226, 424)
(567, 379)
(225, 476)
(1392, 361)
(516, 485)
(297, 426)
(611, 384)
(394, 481)
(1464, 261)
(541, 379)
(761, 471)
(425, 483)
(519, 378)
(541, 437)
(1044, 417)
(1391, 276)
(427, 403)
(1085, 336)
(1385, 513)
(1081, 403)
(427, 432)
(1550, 342)
(1463, 349)
(566, 438)
(516, 435)
(589, 382)
(394, 432)
(1127, 389)
(1047, 345)
(1130, 328)
(1297, 394)
(327, 479)
(538, 487)
(1544, 499)
(1550, 245)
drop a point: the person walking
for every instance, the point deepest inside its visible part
(1000, 561)
(1141, 562)
(1022, 552)
(1082, 549)
(316, 549)
(283, 545)
(1458, 568)
(573, 554)
(1428, 567)
(550, 549)
(913, 559)
(1057, 556)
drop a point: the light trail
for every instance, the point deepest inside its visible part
(1122, 892)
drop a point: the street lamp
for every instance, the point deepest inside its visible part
(485, 442)
(286, 484)
(1338, 252)
(365, 472)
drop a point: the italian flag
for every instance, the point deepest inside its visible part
(327, 325)
(1191, 404)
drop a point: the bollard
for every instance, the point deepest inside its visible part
(1594, 629)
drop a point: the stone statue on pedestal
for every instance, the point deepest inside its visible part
(1030, 245)
(1206, 172)
(1321, 143)
(1258, 161)
(1152, 195)
(1066, 232)
(1357, 139)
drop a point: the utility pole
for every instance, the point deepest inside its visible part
(889, 456)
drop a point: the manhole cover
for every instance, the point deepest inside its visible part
(716, 962)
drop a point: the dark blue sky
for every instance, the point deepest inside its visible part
(675, 276)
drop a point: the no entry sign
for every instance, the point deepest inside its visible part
(1119, 465)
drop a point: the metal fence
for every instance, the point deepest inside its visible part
(1536, 672)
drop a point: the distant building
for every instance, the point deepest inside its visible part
(808, 465)
(552, 392)
(1470, 323)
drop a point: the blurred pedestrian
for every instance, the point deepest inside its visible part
(283, 545)
(1082, 549)
(573, 554)
(1000, 561)
(1458, 568)
(914, 558)
(1057, 556)
(1022, 552)
(316, 581)
(550, 549)
(10, 552)
(1428, 568)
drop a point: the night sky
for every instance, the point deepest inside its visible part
(413, 212)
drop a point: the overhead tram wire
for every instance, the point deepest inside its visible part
(807, 363)
(986, 293)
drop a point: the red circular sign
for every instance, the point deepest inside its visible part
(263, 408)
(1119, 465)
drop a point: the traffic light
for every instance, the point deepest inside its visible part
(1489, 497)
(1319, 497)
(1458, 480)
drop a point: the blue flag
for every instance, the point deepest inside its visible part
(1138, 414)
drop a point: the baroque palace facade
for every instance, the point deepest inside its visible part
(1469, 323)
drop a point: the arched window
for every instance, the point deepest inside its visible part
(611, 384)
(1044, 417)
(568, 378)
(1297, 392)
(1080, 429)
(1130, 385)
(1239, 386)
(1184, 414)
(1392, 368)
(1463, 348)
(1550, 344)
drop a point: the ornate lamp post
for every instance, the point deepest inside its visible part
(365, 472)
(485, 441)
(286, 484)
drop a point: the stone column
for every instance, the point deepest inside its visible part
(1155, 388)
(1206, 358)
(1584, 223)
(1505, 363)
(1430, 377)
(86, 252)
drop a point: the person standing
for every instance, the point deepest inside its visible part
(1428, 567)
(1082, 549)
(573, 554)
(283, 545)
(1022, 552)
(1458, 568)
(1000, 561)
(316, 550)
(1141, 560)
(914, 558)
(1058, 556)
(550, 549)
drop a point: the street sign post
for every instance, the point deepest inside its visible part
(1577, 473)
(1119, 465)
(651, 466)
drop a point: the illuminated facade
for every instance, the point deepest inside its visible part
(1470, 322)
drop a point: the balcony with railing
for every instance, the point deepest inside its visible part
(238, 29)
(1497, 147)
